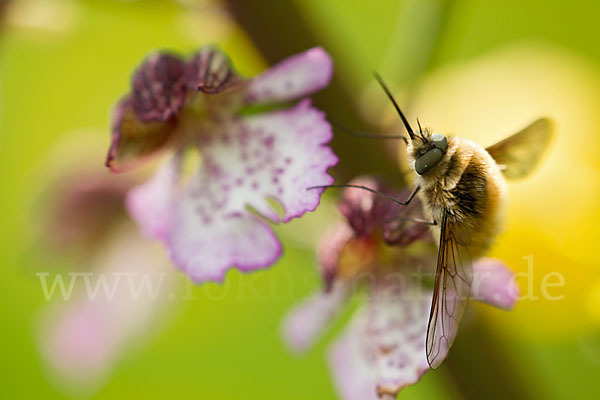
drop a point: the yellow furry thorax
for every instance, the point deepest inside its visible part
(464, 174)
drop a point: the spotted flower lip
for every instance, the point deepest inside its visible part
(383, 348)
(246, 162)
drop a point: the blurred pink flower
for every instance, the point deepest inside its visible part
(110, 302)
(383, 349)
(245, 160)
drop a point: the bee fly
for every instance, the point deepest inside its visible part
(463, 192)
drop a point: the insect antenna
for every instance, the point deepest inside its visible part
(410, 131)
(365, 134)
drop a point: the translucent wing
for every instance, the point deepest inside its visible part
(451, 292)
(520, 153)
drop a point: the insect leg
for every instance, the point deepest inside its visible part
(412, 195)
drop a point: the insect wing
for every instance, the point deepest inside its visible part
(451, 291)
(519, 154)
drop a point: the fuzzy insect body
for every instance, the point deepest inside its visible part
(463, 191)
(467, 184)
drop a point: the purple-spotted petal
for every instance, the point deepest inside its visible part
(283, 154)
(205, 246)
(276, 155)
(134, 140)
(306, 321)
(210, 72)
(383, 350)
(151, 203)
(352, 363)
(397, 324)
(292, 78)
(158, 87)
(494, 283)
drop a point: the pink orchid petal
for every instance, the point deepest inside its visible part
(81, 341)
(494, 284)
(292, 78)
(151, 203)
(330, 249)
(287, 154)
(383, 350)
(82, 337)
(205, 248)
(397, 325)
(306, 321)
(353, 364)
(276, 155)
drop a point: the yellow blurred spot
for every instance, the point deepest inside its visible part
(206, 21)
(357, 257)
(192, 160)
(55, 16)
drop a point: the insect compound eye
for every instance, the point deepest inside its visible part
(440, 142)
(428, 160)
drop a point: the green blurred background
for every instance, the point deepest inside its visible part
(64, 63)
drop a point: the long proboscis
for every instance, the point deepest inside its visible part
(375, 192)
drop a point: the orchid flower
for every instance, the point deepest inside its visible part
(216, 219)
(380, 247)
(111, 302)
